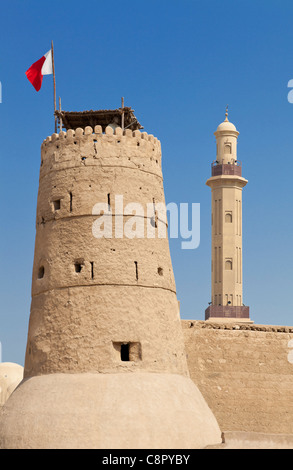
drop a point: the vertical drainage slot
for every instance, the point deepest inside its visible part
(136, 270)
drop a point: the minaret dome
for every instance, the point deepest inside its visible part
(226, 137)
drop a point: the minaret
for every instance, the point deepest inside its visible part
(226, 184)
(105, 362)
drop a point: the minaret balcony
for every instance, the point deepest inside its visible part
(227, 311)
(219, 168)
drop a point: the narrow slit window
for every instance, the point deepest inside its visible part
(92, 269)
(109, 200)
(70, 203)
(136, 270)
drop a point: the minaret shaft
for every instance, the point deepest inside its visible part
(226, 245)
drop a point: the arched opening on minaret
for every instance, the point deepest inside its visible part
(228, 217)
(228, 265)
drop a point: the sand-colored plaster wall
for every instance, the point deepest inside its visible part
(245, 373)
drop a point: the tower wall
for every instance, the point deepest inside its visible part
(90, 295)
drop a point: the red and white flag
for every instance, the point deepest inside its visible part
(43, 66)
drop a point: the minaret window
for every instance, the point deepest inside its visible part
(228, 264)
(227, 148)
(228, 217)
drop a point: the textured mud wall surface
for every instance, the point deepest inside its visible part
(245, 373)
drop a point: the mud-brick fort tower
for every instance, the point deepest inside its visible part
(105, 363)
(226, 184)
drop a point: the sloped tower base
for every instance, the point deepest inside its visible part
(107, 411)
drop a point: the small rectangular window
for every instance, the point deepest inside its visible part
(127, 351)
(57, 204)
(124, 352)
(41, 272)
(78, 265)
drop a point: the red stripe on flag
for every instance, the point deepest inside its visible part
(34, 73)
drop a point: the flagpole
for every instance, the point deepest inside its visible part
(122, 119)
(54, 81)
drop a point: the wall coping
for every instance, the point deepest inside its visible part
(198, 324)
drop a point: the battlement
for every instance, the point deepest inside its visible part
(91, 147)
(97, 132)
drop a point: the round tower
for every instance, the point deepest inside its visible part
(105, 363)
(226, 184)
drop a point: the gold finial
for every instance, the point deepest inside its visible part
(226, 114)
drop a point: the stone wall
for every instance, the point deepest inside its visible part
(245, 373)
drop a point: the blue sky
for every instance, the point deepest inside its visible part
(177, 63)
